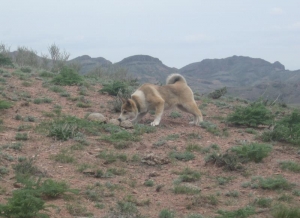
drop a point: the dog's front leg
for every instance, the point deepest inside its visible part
(158, 114)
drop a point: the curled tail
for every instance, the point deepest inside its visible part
(173, 78)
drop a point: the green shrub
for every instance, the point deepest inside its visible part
(47, 74)
(53, 189)
(26, 69)
(240, 213)
(184, 156)
(286, 212)
(63, 157)
(218, 93)
(189, 175)
(5, 104)
(5, 60)
(274, 183)
(68, 77)
(114, 88)
(24, 203)
(252, 152)
(175, 114)
(287, 129)
(290, 165)
(149, 183)
(253, 115)
(21, 136)
(227, 160)
(63, 130)
(25, 168)
(185, 189)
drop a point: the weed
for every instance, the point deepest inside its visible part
(77, 209)
(21, 136)
(223, 180)
(241, 213)
(263, 202)
(111, 157)
(285, 197)
(290, 165)
(251, 131)
(189, 175)
(234, 194)
(125, 209)
(184, 156)
(63, 157)
(26, 168)
(193, 147)
(186, 189)
(165, 213)
(3, 171)
(210, 127)
(172, 137)
(149, 183)
(175, 114)
(195, 216)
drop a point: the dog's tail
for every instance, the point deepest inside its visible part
(174, 78)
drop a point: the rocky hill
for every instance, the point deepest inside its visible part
(244, 77)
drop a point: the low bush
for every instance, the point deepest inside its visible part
(253, 115)
(67, 77)
(252, 152)
(287, 129)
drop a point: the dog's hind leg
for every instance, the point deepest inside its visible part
(191, 107)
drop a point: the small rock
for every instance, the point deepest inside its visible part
(153, 174)
(97, 117)
(126, 124)
(114, 122)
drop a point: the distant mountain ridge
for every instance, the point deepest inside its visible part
(243, 76)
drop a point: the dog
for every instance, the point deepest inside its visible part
(176, 93)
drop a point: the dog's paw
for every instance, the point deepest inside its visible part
(154, 123)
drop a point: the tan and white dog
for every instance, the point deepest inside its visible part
(176, 93)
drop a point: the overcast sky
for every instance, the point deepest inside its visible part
(176, 32)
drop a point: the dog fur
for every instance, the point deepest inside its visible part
(176, 93)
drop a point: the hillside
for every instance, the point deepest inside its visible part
(87, 63)
(143, 171)
(245, 77)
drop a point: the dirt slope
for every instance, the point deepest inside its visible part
(176, 134)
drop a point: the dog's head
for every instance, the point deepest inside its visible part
(128, 110)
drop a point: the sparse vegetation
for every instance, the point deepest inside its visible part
(49, 144)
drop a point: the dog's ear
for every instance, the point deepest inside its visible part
(124, 100)
(128, 102)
